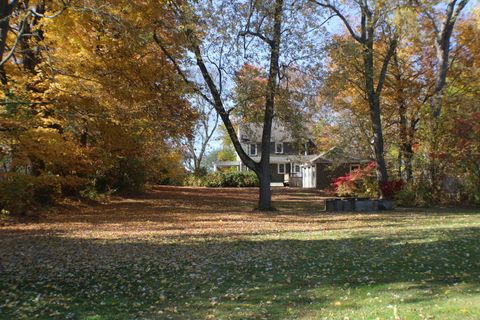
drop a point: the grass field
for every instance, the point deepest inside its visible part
(187, 253)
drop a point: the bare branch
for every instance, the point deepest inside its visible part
(258, 35)
(337, 12)
(17, 40)
(179, 70)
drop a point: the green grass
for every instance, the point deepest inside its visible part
(422, 265)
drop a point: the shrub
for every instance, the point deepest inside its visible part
(214, 179)
(192, 181)
(17, 192)
(344, 186)
(362, 182)
(406, 197)
(44, 193)
(4, 214)
(250, 179)
(359, 183)
(22, 191)
(471, 189)
(417, 194)
(127, 175)
(391, 188)
(223, 179)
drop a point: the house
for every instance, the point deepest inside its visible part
(319, 171)
(293, 162)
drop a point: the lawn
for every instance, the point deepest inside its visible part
(186, 253)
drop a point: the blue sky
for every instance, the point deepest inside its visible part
(334, 26)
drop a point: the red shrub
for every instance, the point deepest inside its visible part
(362, 182)
(390, 188)
(359, 182)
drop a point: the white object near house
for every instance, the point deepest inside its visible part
(308, 176)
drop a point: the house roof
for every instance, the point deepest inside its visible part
(293, 158)
(337, 154)
(299, 159)
(252, 132)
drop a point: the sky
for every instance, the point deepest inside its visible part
(334, 26)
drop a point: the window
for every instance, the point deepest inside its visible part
(354, 167)
(281, 168)
(253, 149)
(295, 168)
(279, 147)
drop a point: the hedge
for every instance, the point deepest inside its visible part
(223, 179)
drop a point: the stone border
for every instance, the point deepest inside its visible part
(357, 204)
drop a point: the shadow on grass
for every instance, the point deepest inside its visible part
(59, 277)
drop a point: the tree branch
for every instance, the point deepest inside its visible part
(17, 40)
(218, 104)
(386, 61)
(258, 35)
(328, 5)
(179, 70)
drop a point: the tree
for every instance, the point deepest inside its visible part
(406, 91)
(91, 101)
(459, 140)
(294, 101)
(262, 169)
(443, 24)
(263, 26)
(119, 91)
(373, 20)
(6, 9)
(24, 17)
(196, 144)
(343, 113)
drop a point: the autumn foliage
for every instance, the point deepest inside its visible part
(101, 110)
(361, 182)
(435, 168)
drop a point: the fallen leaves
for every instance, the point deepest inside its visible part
(194, 256)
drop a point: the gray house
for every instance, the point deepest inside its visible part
(319, 171)
(293, 162)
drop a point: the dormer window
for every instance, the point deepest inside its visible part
(279, 147)
(253, 149)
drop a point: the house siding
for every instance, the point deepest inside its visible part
(289, 148)
(275, 176)
(325, 173)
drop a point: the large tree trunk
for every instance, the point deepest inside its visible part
(265, 198)
(402, 110)
(381, 168)
(408, 157)
(406, 144)
(265, 192)
(435, 112)
(375, 111)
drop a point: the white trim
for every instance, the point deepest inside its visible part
(250, 149)
(278, 144)
(279, 166)
(294, 167)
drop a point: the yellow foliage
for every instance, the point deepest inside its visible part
(102, 99)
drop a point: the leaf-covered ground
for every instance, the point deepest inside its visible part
(187, 253)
